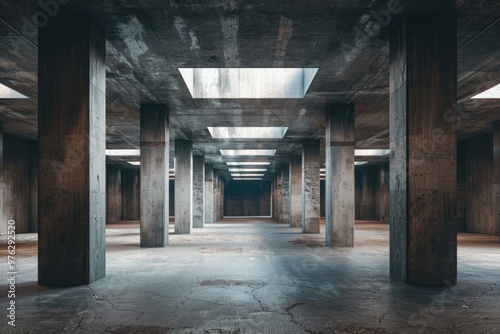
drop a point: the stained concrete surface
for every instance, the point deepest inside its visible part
(247, 276)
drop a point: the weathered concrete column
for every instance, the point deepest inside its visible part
(216, 197)
(155, 126)
(3, 229)
(279, 195)
(72, 144)
(198, 185)
(222, 194)
(383, 198)
(183, 186)
(209, 194)
(274, 211)
(423, 77)
(310, 187)
(496, 174)
(113, 194)
(296, 191)
(285, 194)
(339, 180)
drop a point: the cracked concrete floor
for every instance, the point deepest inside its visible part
(256, 277)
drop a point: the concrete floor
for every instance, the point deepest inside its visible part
(256, 277)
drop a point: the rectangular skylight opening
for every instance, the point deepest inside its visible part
(359, 163)
(247, 132)
(9, 93)
(134, 163)
(492, 93)
(247, 152)
(247, 179)
(246, 175)
(246, 170)
(248, 83)
(247, 163)
(123, 153)
(371, 153)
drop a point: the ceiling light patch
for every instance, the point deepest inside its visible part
(371, 153)
(247, 163)
(123, 153)
(134, 163)
(246, 175)
(247, 132)
(9, 93)
(246, 170)
(492, 93)
(248, 83)
(247, 179)
(247, 152)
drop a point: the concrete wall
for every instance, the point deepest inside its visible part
(480, 202)
(247, 198)
(20, 185)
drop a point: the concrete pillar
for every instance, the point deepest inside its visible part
(209, 194)
(222, 194)
(279, 195)
(72, 144)
(131, 194)
(339, 180)
(216, 198)
(113, 194)
(310, 187)
(183, 186)
(496, 175)
(198, 185)
(155, 126)
(423, 77)
(285, 194)
(383, 198)
(33, 187)
(274, 211)
(296, 191)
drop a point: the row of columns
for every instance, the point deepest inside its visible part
(72, 159)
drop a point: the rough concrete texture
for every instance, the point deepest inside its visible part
(216, 197)
(209, 194)
(198, 191)
(339, 181)
(113, 194)
(72, 139)
(183, 186)
(423, 99)
(496, 175)
(285, 194)
(155, 129)
(279, 196)
(296, 191)
(252, 276)
(310, 187)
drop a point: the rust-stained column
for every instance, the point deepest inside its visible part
(423, 95)
(72, 140)
(154, 175)
(296, 191)
(339, 181)
(310, 187)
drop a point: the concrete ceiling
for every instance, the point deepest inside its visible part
(148, 40)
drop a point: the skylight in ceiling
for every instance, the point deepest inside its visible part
(9, 93)
(247, 152)
(134, 163)
(247, 163)
(492, 93)
(247, 132)
(246, 170)
(359, 163)
(247, 175)
(123, 153)
(248, 83)
(371, 153)
(248, 179)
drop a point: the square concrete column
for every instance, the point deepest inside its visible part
(113, 194)
(496, 174)
(296, 191)
(222, 194)
(183, 186)
(339, 180)
(155, 126)
(423, 95)
(310, 187)
(209, 194)
(279, 195)
(72, 144)
(216, 198)
(285, 194)
(198, 185)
